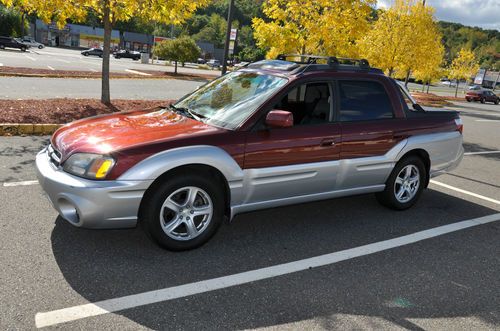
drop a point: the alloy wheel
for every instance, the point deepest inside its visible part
(186, 213)
(407, 183)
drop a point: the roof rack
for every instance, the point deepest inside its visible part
(331, 61)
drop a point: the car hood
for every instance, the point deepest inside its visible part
(110, 133)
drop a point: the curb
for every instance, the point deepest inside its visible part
(17, 129)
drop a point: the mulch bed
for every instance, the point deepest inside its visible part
(433, 100)
(154, 74)
(60, 111)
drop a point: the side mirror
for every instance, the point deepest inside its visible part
(279, 119)
(418, 107)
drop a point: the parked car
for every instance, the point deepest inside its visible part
(213, 63)
(482, 96)
(9, 42)
(448, 83)
(474, 87)
(93, 51)
(127, 54)
(31, 42)
(201, 61)
(267, 135)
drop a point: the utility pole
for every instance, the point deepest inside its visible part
(228, 34)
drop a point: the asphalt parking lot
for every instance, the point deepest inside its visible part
(54, 58)
(439, 272)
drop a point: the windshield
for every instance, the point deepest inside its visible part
(229, 100)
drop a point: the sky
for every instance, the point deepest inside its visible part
(482, 13)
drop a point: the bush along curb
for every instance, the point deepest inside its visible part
(17, 129)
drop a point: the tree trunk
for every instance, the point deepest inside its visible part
(391, 71)
(428, 84)
(105, 95)
(175, 71)
(423, 87)
(456, 90)
(22, 24)
(407, 78)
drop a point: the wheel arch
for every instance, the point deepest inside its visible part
(424, 156)
(197, 168)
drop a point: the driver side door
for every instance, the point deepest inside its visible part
(300, 160)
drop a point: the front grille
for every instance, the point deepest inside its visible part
(54, 155)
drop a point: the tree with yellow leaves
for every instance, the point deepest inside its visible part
(404, 38)
(463, 66)
(110, 12)
(327, 27)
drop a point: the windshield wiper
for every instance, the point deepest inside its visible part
(189, 113)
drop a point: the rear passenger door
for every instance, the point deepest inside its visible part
(368, 121)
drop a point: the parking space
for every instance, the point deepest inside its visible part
(423, 268)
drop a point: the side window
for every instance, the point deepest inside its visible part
(363, 101)
(309, 103)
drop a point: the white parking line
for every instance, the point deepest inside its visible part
(23, 183)
(50, 68)
(472, 194)
(61, 60)
(146, 298)
(487, 120)
(29, 57)
(137, 72)
(1, 64)
(481, 153)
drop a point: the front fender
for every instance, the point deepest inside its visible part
(157, 164)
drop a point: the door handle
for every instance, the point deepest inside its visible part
(327, 142)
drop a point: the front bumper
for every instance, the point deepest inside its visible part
(89, 203)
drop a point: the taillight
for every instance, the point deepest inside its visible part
(459, 124)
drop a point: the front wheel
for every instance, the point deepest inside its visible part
(23, 49)
(405, 184)
(482, 100)
(497, 101)
(183, 213)
(40, 46)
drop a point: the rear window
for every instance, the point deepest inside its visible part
(364, 101)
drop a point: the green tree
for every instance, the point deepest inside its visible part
(182, 50)
(109, 12)
(11, 22)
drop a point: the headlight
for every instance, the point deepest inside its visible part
(92, 166)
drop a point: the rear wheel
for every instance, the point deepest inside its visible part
(184, 212)
(405, 184)
(40, 46)
(23, 49)
(482, 100)
(2, 46)
(468, 99)
(497, 101)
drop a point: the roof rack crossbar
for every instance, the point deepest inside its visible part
(332, 61)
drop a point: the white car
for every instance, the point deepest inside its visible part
(448, 83)
(30, 41)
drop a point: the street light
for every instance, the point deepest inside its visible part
(228, 34)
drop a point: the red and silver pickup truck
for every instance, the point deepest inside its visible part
(273, 133)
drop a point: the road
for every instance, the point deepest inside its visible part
(447, 282)
(43, 88)
(53, 58)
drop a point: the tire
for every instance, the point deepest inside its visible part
(482, 100)
(468, 100)
(398, 178)
(497, 101)
(23, 49)
(169, 225)
(85, 54)
(40, 46)
(2, 46)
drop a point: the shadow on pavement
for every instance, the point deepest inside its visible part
(453, 275)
